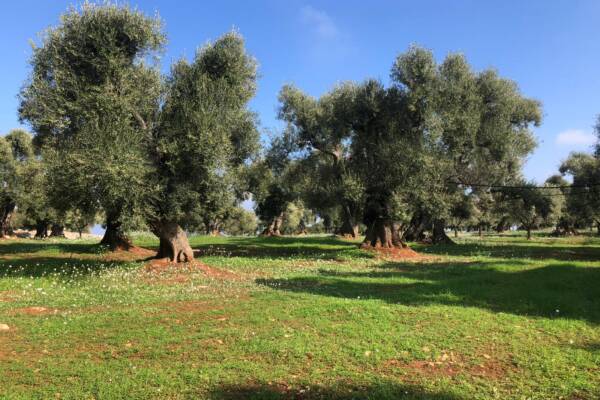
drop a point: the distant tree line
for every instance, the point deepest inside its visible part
(438, 148)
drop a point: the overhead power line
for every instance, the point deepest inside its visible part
(525, 187)
(565, 190)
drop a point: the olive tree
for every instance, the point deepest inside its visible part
(92, 86)
(528, 205)
(240, 222)
(203, 132)
(483, 123)
(323, 127)
(16, 155)
(562, 219)
(416, 145)
(122, 139)
(272, 182)
(583, 198)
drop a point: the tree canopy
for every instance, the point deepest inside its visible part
(16, 155)
(419, 143)
(92, 84)
(121, 139)
(203, 134)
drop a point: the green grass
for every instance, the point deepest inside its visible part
(303, 318)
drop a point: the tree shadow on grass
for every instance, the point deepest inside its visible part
(63, 266)
(593, 347)
(553, 291)
(37, 258)
(35, 246)
(309, 248)
(512, 250)
(381, 391)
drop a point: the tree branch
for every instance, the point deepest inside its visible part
(140, 120)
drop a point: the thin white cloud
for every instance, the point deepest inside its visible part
(320, 22)
(575, 137)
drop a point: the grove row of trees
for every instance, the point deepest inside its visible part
(439, 146)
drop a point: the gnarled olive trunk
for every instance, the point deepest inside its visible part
(41, 229)
(174, 243)
(383, 233)
(6, 213)
(502, 225)
(302, 228)
(416, 228)
(57, 230)
(212, 228)
(349, 225)
(439, 233)
(114, 236)
(273, 229)
(349, 228)
(564, 228)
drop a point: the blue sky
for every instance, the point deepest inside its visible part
(550, 48)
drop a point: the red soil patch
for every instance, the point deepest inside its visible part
(347, 237)
(395, 253)
(134, 253)
(450, 365)
(426, 368)
(34, 311)
(6, 343)
(8, 296)
(141, 251)
(179, 272)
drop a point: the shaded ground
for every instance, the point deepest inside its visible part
(550, 291)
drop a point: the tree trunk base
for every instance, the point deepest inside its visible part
(384, 238)
(268, 232)
(564, 232)
(41, 230)
(416, 228)
(57, 231)
(349, 229)
(174, 243)
(439, 234)
(383, 234)
(6, 213)
(115, 238)
(273, 228)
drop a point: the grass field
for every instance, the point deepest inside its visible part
(302, 318)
